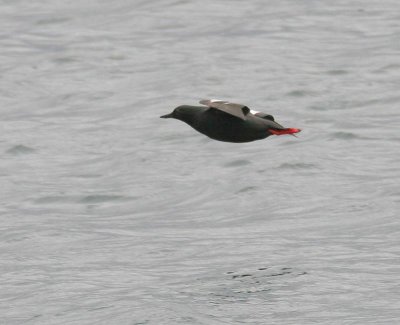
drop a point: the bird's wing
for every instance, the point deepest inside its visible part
(263, 115)
(237, 110)
(268, 117)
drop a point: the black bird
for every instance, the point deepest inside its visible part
(229, 122)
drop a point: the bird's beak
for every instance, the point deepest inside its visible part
(167, 115)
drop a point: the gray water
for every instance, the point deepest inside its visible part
(111, 215)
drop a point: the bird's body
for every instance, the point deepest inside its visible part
(229, 122)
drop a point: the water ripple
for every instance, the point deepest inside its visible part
(20, 150)
(345, 135)
(238, 163)
(297, 166)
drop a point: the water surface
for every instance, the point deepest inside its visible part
(111, 215)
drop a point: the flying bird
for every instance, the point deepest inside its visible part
(229, 122)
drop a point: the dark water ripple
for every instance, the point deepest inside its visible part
(20, 150)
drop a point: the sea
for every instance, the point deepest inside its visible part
(111, 215)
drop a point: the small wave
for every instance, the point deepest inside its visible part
(55, 199)
(100, 198)
(247, 189)
(265, 272)
(337, 72)
(20, 150)
(240, 285)
(345, 135)
(298, 93)
(319, 108)
(238, 163)
(52, 20)
(89, 199)
(297, 166)
(388, 67)
(86, 175)
(65, 59)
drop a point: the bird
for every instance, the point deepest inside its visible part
(229, 122)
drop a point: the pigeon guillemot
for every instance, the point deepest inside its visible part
(229, 122)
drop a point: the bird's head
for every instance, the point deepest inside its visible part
(184, 113)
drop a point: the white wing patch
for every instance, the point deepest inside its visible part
(254, 112)
(237, 110)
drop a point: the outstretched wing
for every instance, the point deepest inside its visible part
(237, 110)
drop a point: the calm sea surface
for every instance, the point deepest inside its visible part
(111, 215)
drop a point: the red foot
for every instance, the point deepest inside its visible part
(284, 131)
